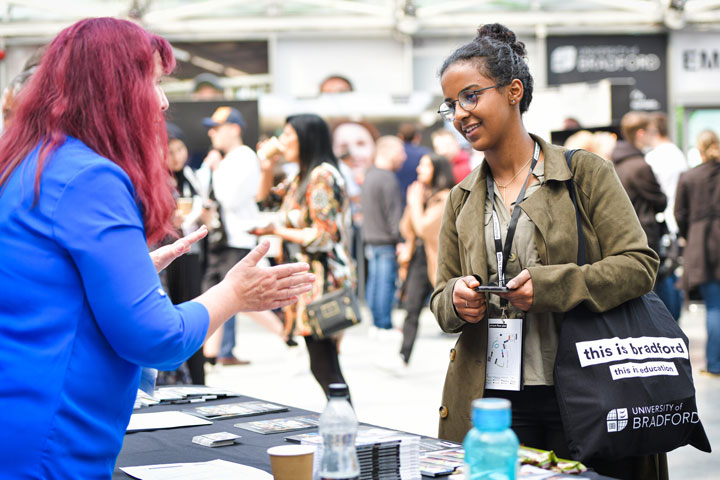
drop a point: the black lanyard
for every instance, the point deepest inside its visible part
(503, 252)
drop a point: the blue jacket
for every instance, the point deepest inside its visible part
(81, 309)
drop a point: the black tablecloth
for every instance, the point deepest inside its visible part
(175, 445)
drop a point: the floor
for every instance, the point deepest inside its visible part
(409, 399)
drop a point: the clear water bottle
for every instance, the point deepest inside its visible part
(491, 447)
(338, 427)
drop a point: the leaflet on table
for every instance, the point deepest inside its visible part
(280, 425)
(181, 394)
(215, 469)
(240, 409)
(163, 420)
(504, 354)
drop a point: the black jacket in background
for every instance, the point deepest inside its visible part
(642, 187)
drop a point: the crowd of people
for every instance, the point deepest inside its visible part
(92, 209)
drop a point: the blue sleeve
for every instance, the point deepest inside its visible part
(99, 224)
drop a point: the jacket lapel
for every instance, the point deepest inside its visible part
(471, 225)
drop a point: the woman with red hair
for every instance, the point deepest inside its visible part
(83, 191)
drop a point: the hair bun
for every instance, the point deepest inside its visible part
(500, 33)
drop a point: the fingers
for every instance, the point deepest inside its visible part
(469, 304)
(519, 280)
(295, 280)
(289, 269)
(256, 254)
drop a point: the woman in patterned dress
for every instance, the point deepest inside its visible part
(315, 216)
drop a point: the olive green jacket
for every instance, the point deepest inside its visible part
(620, 266)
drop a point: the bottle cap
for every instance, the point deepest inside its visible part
(338, 390)
(491, 413)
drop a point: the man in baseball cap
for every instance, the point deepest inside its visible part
(234, 180)
(224, 115)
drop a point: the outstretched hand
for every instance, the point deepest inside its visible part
(258, 288)
(164, 256)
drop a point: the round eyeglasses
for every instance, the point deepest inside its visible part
(467, 99)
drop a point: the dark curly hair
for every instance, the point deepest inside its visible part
(497, 54)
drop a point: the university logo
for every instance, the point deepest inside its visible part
(617, 419)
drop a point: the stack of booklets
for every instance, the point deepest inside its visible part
(440, 457)
(240, 409)
(382, 454)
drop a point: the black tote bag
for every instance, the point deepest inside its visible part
(623, 378)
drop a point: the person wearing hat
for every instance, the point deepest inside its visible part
(206, 86)
(232, 171)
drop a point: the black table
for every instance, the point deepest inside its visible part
(175, 445)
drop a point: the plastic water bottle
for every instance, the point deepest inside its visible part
(338, 427)
(491, 447)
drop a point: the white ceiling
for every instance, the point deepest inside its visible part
(233, 19)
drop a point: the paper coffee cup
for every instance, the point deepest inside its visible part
(270, 148)
(184, 204)
(292, 462)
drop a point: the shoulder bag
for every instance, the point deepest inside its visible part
(623, 377)
(336, 310)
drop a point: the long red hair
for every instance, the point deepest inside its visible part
(96, 83)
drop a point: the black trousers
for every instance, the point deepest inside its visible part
(537, 423)
(184, 282)
(324, 362)
(417, 290)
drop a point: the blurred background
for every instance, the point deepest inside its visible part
(592, 60)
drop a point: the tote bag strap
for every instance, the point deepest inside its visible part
(581, 256)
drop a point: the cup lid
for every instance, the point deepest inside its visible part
(290, 450)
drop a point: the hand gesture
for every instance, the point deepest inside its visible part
(469, 304)
(257, 288)
(163, 256)
(268, 229)
(521, 291)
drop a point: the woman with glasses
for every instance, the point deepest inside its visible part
(511, 223)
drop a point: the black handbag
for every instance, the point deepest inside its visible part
(333, 312)
(623, 377)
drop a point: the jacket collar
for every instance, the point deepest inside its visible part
(555, 166)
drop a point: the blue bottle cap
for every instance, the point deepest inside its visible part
(491, 413)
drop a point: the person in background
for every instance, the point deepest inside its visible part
(407, 174)
(697, 212)
(382, 210)
(420, 227)
(10, 94)
(315, 209)
(183, 277)
(83, 191)
(487, 87)
(232, 171)
(445, 144)
(667, 162)
(636, 175)
(336, 84)
(355, 143)
(600, 143)
(206, 87)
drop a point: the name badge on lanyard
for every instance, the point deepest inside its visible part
(504, 354)
(505, 335)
